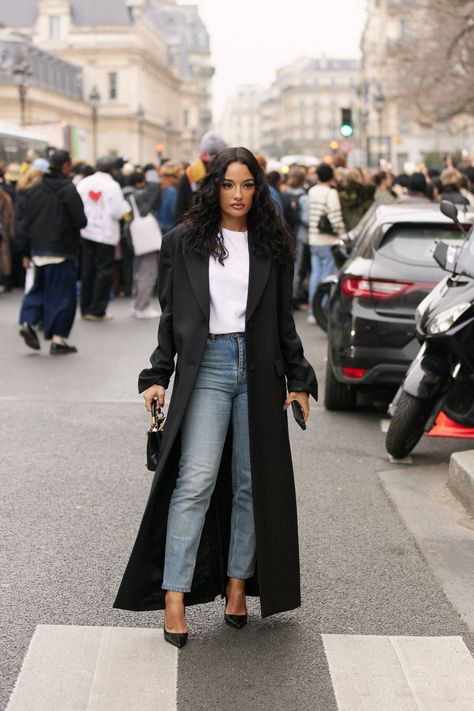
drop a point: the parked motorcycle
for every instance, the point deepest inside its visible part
(441, 378)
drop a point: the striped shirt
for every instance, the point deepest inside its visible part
(324, 201)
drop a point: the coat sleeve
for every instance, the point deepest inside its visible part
(300, 375)
(22, 243)
(75, 207)
(162, 358)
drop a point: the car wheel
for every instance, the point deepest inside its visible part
(321, 305)
(338, 396)
(407, 425)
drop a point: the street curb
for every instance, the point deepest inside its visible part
(461, 478)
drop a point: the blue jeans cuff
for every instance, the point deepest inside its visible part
(175, 588)
(239, 576)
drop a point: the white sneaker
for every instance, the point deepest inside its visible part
(147, 313)
(311, 320)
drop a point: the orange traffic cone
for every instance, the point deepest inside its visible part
(444, 427)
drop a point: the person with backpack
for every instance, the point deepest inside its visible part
(295, 213)
(326, 225)
(49, 236)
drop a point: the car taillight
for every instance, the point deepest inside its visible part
(377, 289)
(354, 372)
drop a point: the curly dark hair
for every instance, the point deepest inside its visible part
(202, 221)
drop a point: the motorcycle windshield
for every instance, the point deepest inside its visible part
(465, 260)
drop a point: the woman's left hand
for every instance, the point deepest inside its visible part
(303, 399)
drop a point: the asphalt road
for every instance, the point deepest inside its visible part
(73, 489)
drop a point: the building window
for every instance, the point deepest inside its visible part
(112, 85)
(54, 27)
(185, 118)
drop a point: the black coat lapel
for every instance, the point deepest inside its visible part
(258, 276)
(198, 271)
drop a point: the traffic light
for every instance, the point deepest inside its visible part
(346, 128)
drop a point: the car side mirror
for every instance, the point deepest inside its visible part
(449, 209)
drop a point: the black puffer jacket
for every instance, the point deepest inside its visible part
(51, 216)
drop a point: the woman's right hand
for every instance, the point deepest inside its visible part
(155, 391)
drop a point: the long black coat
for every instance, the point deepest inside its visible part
(274, 351)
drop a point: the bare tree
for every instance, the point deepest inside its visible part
(434, 59)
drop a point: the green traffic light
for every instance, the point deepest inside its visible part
(346, 130)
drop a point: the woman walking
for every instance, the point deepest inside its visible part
(221, 516)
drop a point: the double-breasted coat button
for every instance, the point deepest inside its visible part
(252, 366)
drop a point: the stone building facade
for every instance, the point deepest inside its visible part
(241, 120)
(300, 112)
(152, 86)
(394, 128)
(311, 93)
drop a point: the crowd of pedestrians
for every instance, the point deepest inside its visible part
(320, 204)
(67, 229)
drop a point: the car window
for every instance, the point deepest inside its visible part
(414, 244)
(364, 239)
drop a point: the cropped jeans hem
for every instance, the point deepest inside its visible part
(239, 576)
(175, 588)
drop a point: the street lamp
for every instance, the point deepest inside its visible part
(94, 100)
(379, 105)
(141, 120)
(21, 71)
(168, 128)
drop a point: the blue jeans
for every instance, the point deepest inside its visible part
(322, 265)
(219, 395)
(52, 299)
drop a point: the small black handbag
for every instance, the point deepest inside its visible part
(154, 437)
(324, 223)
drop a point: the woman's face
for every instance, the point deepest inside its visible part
(237, 190)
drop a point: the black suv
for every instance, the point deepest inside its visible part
(371, 325)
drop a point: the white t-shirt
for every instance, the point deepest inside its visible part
(228, 285)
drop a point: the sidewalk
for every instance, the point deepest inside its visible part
(461, 478)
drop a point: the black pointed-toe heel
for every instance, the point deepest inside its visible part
(177, 639)
(235, 621)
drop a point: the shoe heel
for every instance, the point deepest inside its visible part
(235, 621)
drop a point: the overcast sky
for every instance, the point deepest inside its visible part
(250, 39)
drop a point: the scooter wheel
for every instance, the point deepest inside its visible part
(407, 425)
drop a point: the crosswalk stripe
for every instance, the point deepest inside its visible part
(370, 673)
(96, 668)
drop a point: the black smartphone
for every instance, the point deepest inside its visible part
(298, 414)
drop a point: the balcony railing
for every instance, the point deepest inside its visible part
(38, 68)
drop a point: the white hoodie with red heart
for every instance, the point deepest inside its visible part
(104, 206)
